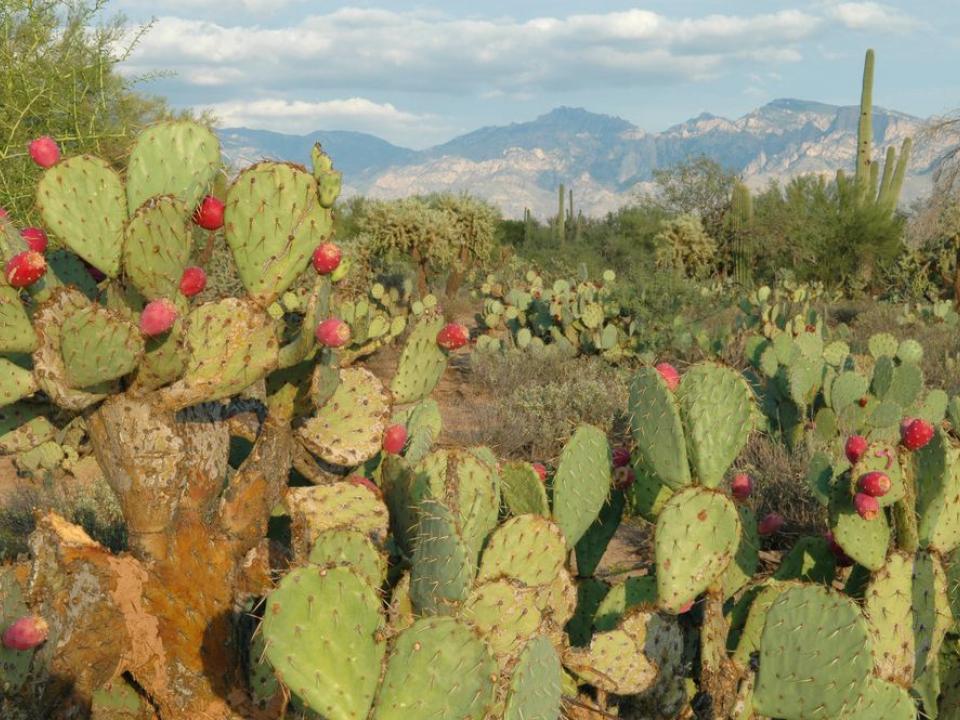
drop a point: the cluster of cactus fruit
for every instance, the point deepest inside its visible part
(579, 317)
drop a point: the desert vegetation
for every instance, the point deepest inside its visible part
(267, 452)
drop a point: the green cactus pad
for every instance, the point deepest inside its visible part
(882, 700)
(157, 248)
(352, 548)
(591, 547)
(16, 332)
(164, 360)
(759, 599)
(348, 429)
(422, 362)
(716, 405)
(744, 564)
(274, 222)
(882, 345)
(261, 679)
(322, 631)
(624, 661)
(810, 560)
(443, 570)
(631, 593)
(178, 157)
(887, 605)
(63, 268)
(424, 425)
(657, 429)
(522, 489)
(16, 382)
(647, 496)
(14, 664)
(438, 669)
(118, 700)
(590, 593)
(836, 353)
(81, 202)
(527, 548)
(24, 426)
(582, 482)
(341, 505)
(936, 472)
(815, 657)
(535, 685)
(847, 389)
(400, 612)
(882, 457)
(907, 385)
(470, 487)
(403, 491)
(97, 346)
(506, 615)
(48, 364)
(910, 351)
(697, 535)
(932, 616)
(933, 409)
(230, 344)
(865, 541)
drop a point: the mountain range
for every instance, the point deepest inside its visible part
(606, 160)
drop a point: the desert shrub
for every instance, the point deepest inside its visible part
(684, 247)
(538, 400)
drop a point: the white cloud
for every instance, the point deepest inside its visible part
(300, 117)
(872, 16)
(381, 50)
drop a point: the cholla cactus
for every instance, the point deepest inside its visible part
(684, 247)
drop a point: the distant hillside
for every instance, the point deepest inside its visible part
(605, 159)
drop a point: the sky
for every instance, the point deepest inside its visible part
(417, 74)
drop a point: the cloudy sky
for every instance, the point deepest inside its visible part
(419, 73)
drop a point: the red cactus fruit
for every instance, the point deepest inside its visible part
(621, 457)
(862, 402)
(685, 608)
(158, 317)
(394, 439)
(25, 268)
(4, 214)
(866, 506)
(25, 633)
(741, 486)
(623, 477)
(453, 336)
(209, 214)
(669, 373)
(855, 448)
(333, 332)
(541, 471)
(770, 524)
(915, 433)
(35, 238)
(326, 258)
(193, 281)
(367, 483)
(44, 151)
(876, 484)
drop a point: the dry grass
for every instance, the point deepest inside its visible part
(539, 399)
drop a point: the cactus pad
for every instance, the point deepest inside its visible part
(157, 248)
(815, 657)
(348, 429)
(422, 362)
(16, 382)
(341, 505)
(936, 472)
(506, 615)
(527, 548)
(888, 609)
(322, 629)
(591, 547)
(352, 548)
(81, 201)
(16, 332)
(230, 345)
(744, 564)
(716, 405)
(582, 482)
(631, 593)
(24, 426)
(438, 669)
(97, 346)
(697, 535)
(657, 429)
(273, 222)
(535, 687)
(443, 569)
(178, 157)
(865, 541)
(403, 490)
(523, 491)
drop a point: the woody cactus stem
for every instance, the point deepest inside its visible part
(561, 217)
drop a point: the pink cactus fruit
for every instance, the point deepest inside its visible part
(24, 269)
(541, 471)
(394, 439)
(855, 447)
(621, 457)
(35, 238)
(453, 336)
(158, 317)
(741, 486)
(193, 281)
(25, 633)
(770, 524)
(326, 258)
(670, 375)
(623, 477)
(333, 333)
(367, 483)
(209, 214)
(875, 484)
(866, 506)
(44, 151)
(915, 433)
